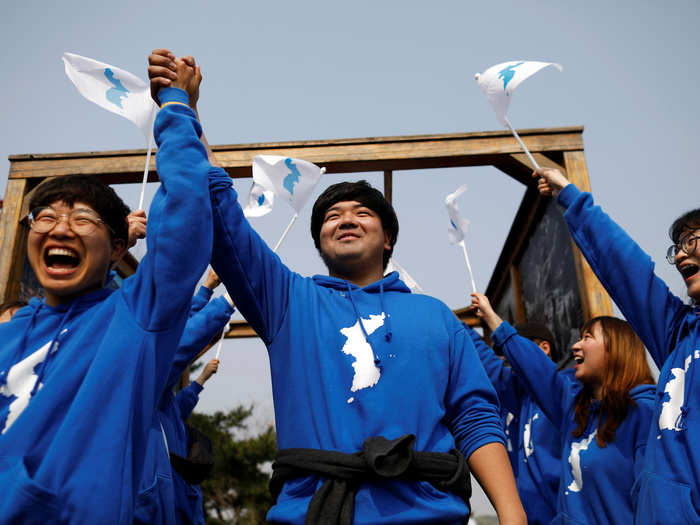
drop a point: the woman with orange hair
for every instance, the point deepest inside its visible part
(604, 420)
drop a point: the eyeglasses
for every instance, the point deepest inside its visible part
(687, 244)
(81, 220)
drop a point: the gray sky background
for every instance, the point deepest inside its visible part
(320, 70)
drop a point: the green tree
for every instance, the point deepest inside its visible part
(237, 491)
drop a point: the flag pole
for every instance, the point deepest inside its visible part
(148, 162)
(522, 145)
(221, 341)
(469, 266)
(286, 231)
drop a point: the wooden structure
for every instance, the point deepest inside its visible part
(560, 147)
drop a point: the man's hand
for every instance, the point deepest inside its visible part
(212, 280)
(137, 226)
(161, 71)
(550, 181)
(485, 311)
(209, 370)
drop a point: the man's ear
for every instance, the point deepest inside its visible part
(546, 347)
(118, 250)
(387, 241)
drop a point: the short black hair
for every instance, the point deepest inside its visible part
(90, 190)
(537, 332)
(366, 195)
(688, 221)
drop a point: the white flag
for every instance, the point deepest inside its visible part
(292, 180)
(260, 201)
(499, 82)
(458, 224)
(393, 266)
(113, 89)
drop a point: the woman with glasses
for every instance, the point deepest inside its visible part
(668, 488)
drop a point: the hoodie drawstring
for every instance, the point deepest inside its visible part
(388, 334)
(52, 349)
(357, 313)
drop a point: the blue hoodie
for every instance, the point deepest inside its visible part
(164, 496)
(669, 486)
(535, 443)
(74, 423)
(350, 363)
(595, 483)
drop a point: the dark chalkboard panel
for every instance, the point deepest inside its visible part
(550, 291)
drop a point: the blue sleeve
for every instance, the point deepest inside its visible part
(254, 275)
(553, 392)
(472, 409)
(199, 331)
(500, 375)
(160, 292)
(626, 272)
(199, 299)
(187, 398)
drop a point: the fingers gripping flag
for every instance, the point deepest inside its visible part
(498, 82)
(458, 224)
(113, 89)
(292, 180)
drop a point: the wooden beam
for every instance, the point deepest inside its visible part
(338, 156)
(516, 285)
(387, 185)
(518, 166)
(13, 236)
(594, 299)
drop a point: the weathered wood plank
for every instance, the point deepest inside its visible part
(338, 156)
(13, 237)
(594, 299)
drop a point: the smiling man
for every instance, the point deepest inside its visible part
(379, 393)
(81, 372)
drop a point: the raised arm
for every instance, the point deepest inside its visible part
(254, 275)
(536, 372)
(199, 331)
(624, 269)
(180, 215)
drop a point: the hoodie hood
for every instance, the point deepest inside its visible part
(390, 283)
(643, 393)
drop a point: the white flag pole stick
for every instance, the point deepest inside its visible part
(522, 145)
(286, 231)
(148, 163)
(221, 341)
(469, 266)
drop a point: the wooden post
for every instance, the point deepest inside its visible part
(516, 285)
(13, 238)
(594, 299)
(388, 185)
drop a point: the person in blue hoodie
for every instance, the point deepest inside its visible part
(380, 397)
(165, 496)
(535, 443)
(603, 423)
(668, 490)
(82, 371)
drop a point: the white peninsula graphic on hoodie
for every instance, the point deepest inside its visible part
(366, 372)
(671, 410)
(527, 436)
(20, 382)
(575, 461)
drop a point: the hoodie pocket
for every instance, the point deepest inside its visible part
(22, 500)
(662, 501)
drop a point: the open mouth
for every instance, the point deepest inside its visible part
(578, 359)
(61, 259)
(688, 271)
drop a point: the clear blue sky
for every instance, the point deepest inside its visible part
(321, 70)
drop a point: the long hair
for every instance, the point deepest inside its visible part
(626, 367)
